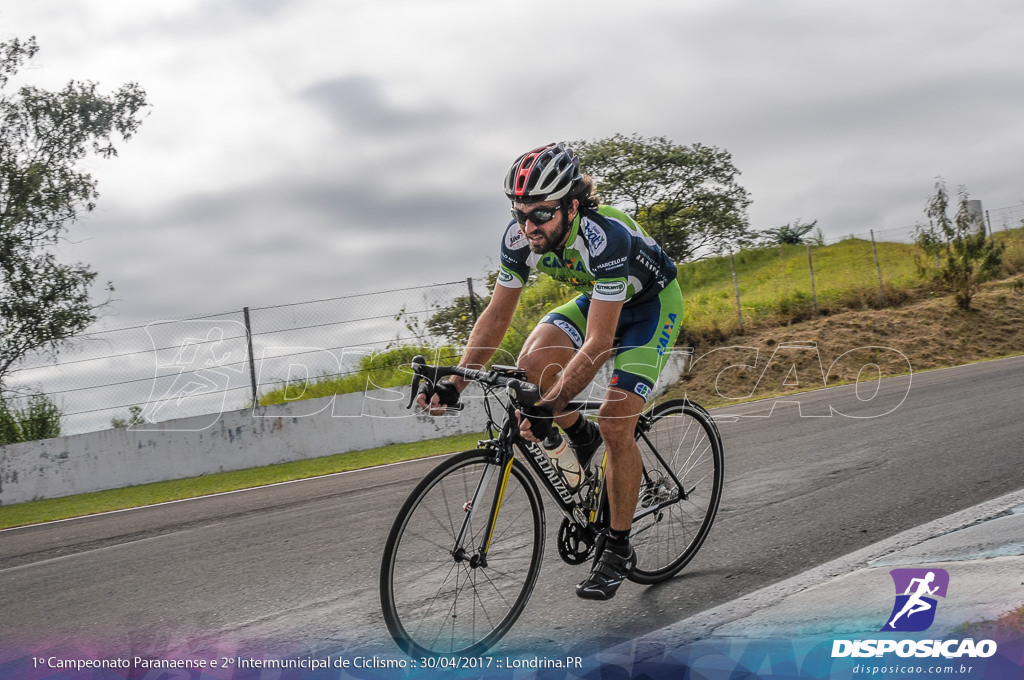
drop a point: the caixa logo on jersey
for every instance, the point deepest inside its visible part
(915, 606)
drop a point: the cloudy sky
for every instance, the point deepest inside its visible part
(303, 149)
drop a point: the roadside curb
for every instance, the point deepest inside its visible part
(704, 625)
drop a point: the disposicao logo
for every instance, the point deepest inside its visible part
(913, 612)
(916, 589)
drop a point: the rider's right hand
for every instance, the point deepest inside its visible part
(436, 398)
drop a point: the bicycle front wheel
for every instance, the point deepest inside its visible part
(680, 491)
(447, 584)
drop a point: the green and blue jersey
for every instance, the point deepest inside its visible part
(607, 256)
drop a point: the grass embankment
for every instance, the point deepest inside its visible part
(918, 322)
(776, 287)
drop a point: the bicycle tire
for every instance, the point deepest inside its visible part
(690, 445)
(434, 604)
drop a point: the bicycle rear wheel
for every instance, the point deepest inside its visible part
(680, 492)
(437, 594)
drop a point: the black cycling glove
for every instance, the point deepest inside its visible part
(446, 392)
(541, 419)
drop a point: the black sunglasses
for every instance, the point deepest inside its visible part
(537, 215)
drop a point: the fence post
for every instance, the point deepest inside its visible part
(252, 361)
(878, 268)
(472, 298)
(736, 287)
(814, 291)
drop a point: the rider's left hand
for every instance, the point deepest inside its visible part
(535, 422)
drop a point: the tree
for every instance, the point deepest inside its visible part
(454, 322)
(789, 234)
(37, 418)
(966, 257)
(44, 137)
(686, 197)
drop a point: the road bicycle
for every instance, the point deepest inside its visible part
(465, 550)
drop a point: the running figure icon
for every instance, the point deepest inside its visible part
(915, 605)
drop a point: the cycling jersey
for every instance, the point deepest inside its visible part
(607, 256)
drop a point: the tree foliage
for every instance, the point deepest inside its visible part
(44, 138)
(35, 417)
(686, 197)
(454, 322)
(966, 257)
(789, 234)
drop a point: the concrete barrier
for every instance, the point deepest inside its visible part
(202, 445)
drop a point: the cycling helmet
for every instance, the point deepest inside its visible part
(544, 174)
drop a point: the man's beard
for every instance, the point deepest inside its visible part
(551, 244)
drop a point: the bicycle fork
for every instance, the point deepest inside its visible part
(470, 509)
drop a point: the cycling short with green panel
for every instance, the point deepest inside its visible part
(644, 338)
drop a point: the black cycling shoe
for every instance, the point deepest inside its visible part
(589, 442)
(609, 571)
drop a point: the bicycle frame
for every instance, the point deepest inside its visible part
(504, 447)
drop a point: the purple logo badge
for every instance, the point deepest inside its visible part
(916, 589)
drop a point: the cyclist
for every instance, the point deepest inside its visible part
(629, 306)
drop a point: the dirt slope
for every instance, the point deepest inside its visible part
(927, 333)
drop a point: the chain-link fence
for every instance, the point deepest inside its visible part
(207, 365)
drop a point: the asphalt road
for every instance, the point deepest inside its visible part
(294, 567)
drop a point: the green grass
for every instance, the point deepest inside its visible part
(49, 510)
(775, 283)
(381, 369)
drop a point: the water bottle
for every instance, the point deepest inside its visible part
(563, 459)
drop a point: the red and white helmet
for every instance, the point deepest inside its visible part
(544, 174)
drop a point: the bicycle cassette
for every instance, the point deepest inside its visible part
(575, 543)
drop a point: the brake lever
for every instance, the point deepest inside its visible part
(417, 362)
(523, 393)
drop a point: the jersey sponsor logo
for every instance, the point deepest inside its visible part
(505, 277)
(646, 261)
(610, 264)
(610, 288)
(642, 389)
(666, 334)
(570, 330)
(515, 239)
(595, 237)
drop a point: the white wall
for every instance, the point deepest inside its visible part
(202, 445)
